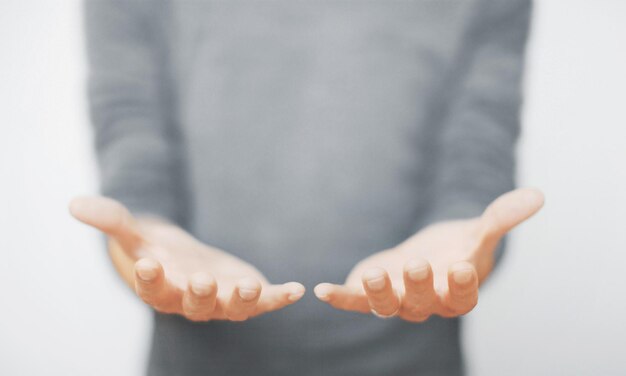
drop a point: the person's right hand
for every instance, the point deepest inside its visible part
(175, 273)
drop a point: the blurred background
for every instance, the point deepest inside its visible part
(556, 306)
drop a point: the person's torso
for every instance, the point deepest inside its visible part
(310, 132)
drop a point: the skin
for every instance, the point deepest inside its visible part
(175, 273)
(435, 272)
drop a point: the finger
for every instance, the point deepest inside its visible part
(108, 216)
(462, 294)
(344, 297)
(419, 296)
(151, 285)
(200, 297)
(243, 299)
(275, 297)
(511, 209)
(382, 298)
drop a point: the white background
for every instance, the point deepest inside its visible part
(557, 305)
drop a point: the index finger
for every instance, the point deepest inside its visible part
(383, 298)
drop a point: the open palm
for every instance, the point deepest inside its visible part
(436, 271)
(175, 273)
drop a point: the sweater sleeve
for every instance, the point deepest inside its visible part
(476, 149)
(136, 139)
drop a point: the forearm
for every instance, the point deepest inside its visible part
(136, 136)
(475, 157)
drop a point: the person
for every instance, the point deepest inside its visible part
(251, 148)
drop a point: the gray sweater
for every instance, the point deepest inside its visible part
(303, 136)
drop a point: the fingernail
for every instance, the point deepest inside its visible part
(419, 273)
(147, 274)
(462, 276)
(295, 296)
(247, 294)
(322, 293)
(201, 289)
(376, 284)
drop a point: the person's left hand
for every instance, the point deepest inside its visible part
(435, 272)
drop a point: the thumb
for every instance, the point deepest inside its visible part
(511, 209)
(108, 216)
